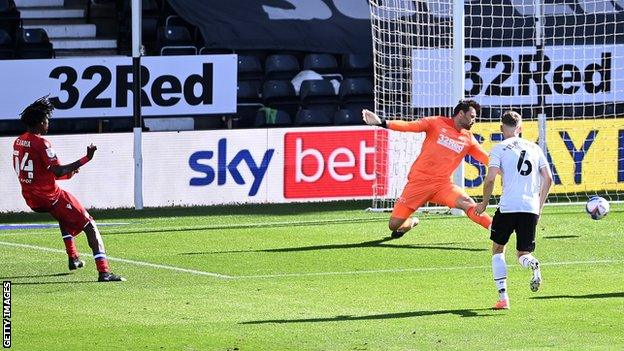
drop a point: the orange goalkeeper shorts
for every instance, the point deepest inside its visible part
(416, 194)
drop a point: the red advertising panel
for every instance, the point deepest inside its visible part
(330, 164)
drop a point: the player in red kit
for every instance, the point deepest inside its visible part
(38, 168)
(447, 142)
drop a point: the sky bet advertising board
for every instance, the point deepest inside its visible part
(215, 167)
(296, 164)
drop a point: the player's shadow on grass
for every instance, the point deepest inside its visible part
(271, 225)
(45, 282)
(55, 282)
(383, 243)
(561, 237)
(460, 313)
(36, 276)
(589, 296)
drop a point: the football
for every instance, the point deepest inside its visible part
(597, 207)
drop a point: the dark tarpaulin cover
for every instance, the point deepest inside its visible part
(335, 26)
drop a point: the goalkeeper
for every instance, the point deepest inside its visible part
(446, 143)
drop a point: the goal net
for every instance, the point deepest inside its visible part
(559, 64)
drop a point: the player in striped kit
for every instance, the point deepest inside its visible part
(526, 182)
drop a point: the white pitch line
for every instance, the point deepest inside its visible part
(402, 270)
(114, 259)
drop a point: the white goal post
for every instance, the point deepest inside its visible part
(561, 65)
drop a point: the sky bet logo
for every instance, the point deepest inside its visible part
(330, 164)
(201, 161)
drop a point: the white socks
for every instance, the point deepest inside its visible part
(499, 269)
(528, 261)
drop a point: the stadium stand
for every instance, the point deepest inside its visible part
(175, 40)
(33, 43)
(280, 95)
(321, 63)
(266, 118)
(319, 95)
(281, 66)
(10, 16)
(356, 94)
(354, 65)
(6, 45)
(312, 118)
(103, 27)
(347, 117)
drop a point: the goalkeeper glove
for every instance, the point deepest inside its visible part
(371, 118)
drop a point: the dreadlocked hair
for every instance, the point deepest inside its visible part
(37, 112)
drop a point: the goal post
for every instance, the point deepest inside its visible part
(560, 65)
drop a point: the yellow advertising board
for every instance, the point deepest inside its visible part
(586, 156)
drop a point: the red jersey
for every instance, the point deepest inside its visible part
(443, 149)
(32, 158)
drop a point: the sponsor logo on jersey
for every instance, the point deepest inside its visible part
(450, 143)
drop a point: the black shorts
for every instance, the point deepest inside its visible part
(522, 223)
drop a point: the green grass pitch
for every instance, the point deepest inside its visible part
(313, 277)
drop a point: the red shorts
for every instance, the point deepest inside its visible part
(70, 214)
(416, 194)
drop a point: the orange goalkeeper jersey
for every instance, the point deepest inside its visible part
(443, 150)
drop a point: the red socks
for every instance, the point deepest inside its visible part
(101, 262)
(70, 245)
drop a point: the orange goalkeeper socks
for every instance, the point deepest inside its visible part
(483, 219)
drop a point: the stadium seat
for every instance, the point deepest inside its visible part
(175, 40)
(6, 45)
(103, 13)
(319, 95)
(272, 118)
(280, 95)
(149, 23)
(245, 115)
(357, 65)
(214, 51)
(356, 93)
(347, 117)
(33, 43)
(312, 118)
(248, 103)
(10, 16)
(175, 20)
(281, 67)
(320, 63)
(248, 91)
(249, 68)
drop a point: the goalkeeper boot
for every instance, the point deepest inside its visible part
(110, 277)
(397, 234)
(75, 263)
(501, 305)
(536, 281)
